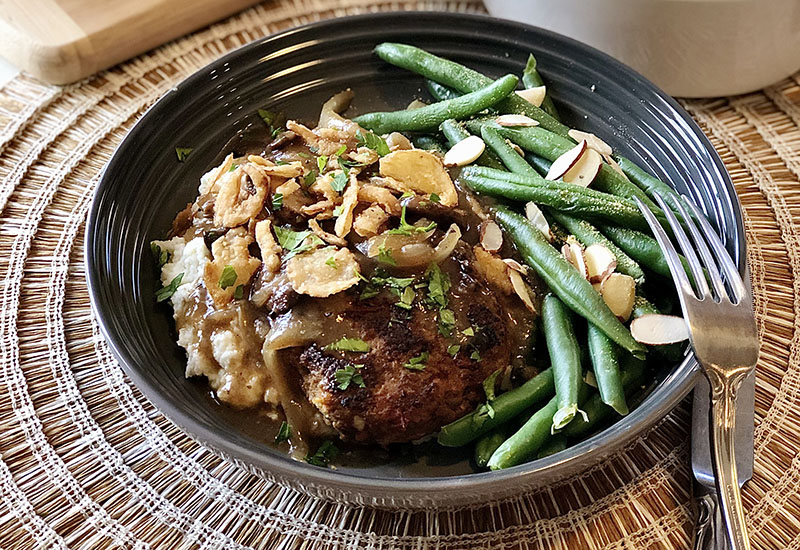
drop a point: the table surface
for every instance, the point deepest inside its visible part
(7, 71)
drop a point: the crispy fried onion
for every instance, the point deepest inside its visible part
(323, 271)
(270, 251)
(230, 250)
(241, 195)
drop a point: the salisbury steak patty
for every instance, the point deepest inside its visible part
(414, 378)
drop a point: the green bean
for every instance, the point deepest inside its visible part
(487, 445)
(564, 280)
(606, 369)
(652, 185)
(428, 143)
(597, 411)
(541, 164)
(460, 78)
(454, 132)
(439, 92)
(556, 444)
(532, 79)
(523, 445)
(505, 407)
(509, 156)
(566, 197)
(565, 357)
(642, 248)
(670, 352)
(431, 116)
(588, 235)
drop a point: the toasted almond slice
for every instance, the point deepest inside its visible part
(598, 287)
(656, 329)
(416, 104)
(573, 253)
(618, 292)
(493, 270)
(491, 236)
(600, 262)
(533, 95)
(521, 289)
(516, 266)
(590, 379)
(516, 120)
(517, 149)
(592, 141)
(566, 161)
(465, 151)
(585, 170)
(615, 166)
(537, 219)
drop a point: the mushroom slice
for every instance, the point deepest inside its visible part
(600, 262)
(491, 236)
(421, 171)
(585, 170)
(537, 219)
(592, 141)
(521, 289)
(323, 271)
(655, 329)
(533, 95)
(516, 120)
(465, 151)
(270, 251)
(573, 253)
(618, 292)
(232, 265)
(566, 161)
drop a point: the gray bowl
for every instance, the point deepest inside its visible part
(213, 111)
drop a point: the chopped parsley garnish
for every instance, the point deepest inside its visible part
(469, 331)
(446, 322)
(407, 229)
(161, 256)
(284, 433)
(238, 292)
(453, 350)
(304, 155)
(326, 452)
(406, 298)
(322, 162)
(489, 385)
(349, 344)
(338, 211)
(380, 279)
(406, 195)
(268, 117)
(340, 151)
(228, 277)
(385, 255)
(434, 198)
(275, 131)
(418, 362)
(475, 356)
(183, 153)
(277, 201)
(349, 374)
(309, 177)
(233, 167)
(339, 182)
(167, 291)
(438, 285)
(296, 242)
(332, 263)
(372, 141)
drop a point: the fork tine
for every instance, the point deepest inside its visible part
(686, 246)
(670, 254)
(724, 259)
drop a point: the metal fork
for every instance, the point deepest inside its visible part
(723, 334)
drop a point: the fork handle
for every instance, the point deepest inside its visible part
(724, 387)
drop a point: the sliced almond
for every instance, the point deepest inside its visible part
(533, 95)
(566, 161)
(537, 219)
(598, 287)
(521, 289)
(396, 141)
(615, 166)
(493, 270)
(592, 141)
(585, 170)
(465, 151)
(517, 149)
(600, 262)
(516, 120)
(491, 236)
(416, 104)
(422, 172)
(656, 329)
(618, 292)
(573, 253)
(516, 266)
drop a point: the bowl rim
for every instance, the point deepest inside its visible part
(412, 492)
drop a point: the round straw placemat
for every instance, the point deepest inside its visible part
(87, 462)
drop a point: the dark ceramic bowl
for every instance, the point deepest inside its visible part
(295, 71)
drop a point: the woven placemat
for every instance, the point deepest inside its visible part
(87, 462)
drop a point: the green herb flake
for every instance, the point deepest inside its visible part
(434, 198)
(304, 155)
(267, 116)
(238, 292)
(332, 263)
(406, 195)
(324, 455)
(284, 433)
(296, 242)
(337, 211)
(349, 344)
(340, 151)
(469, 331)
(228, 277)
(167, 291)
(407, 229)
(233, 167)
(161, 256)
(446, 322)
(489, 385)
(339, 182)
(372, 141)
(438, 285)
(276, 131)
(385, 255)
(453, 350)
(322, 162)
(277, 201)
(183, 153)
(475, 356)
(349, 374)
(406, 298)
(418, 362)
(309, 177)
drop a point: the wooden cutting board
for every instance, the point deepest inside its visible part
(61, 41)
